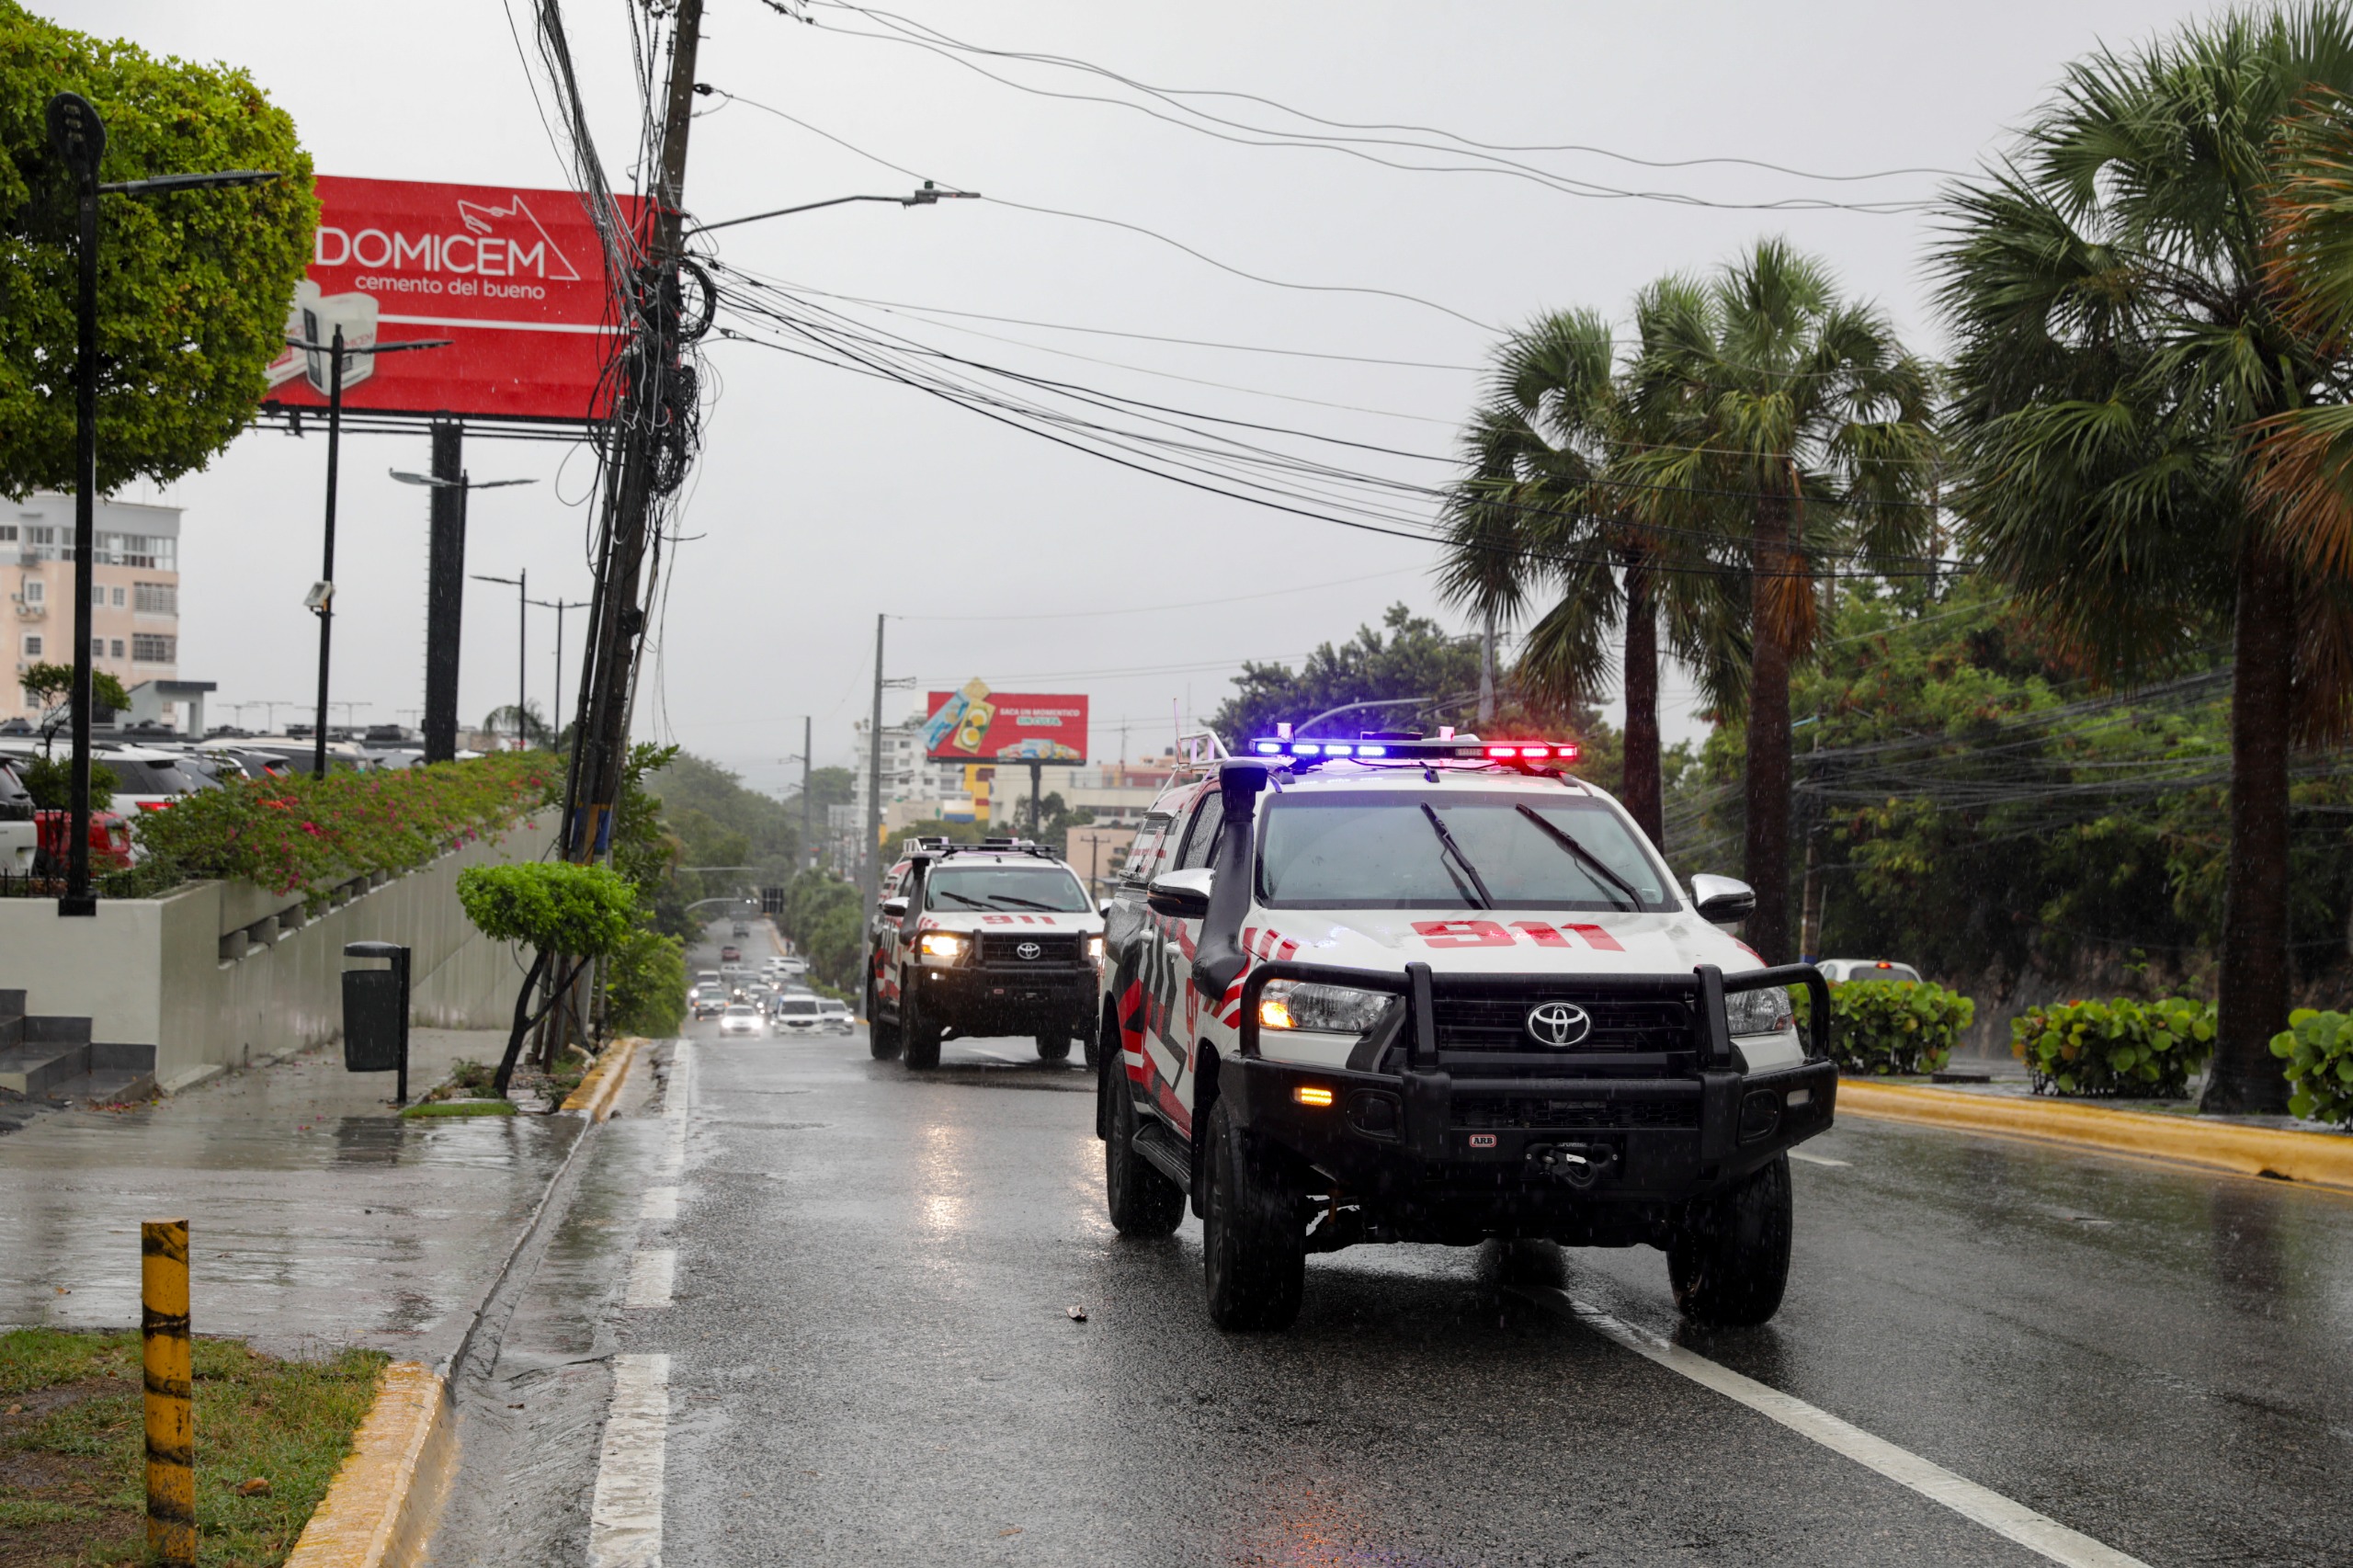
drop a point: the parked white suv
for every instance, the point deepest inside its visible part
(1441, 991)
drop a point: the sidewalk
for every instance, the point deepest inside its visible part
(317, 1217)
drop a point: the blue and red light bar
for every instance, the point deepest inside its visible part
(1550, 753)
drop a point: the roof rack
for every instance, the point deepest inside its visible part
(940, 846)
(1200, 752)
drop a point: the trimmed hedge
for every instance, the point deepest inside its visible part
(2318, 1050)
(301, 832)
(2118, 1046)
(1886, 1027)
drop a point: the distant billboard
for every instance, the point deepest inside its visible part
(515, 278)
(975, 724)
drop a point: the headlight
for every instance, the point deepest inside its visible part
(1324, 1009)
(1758, 1012)
(1095, 948)
(949, 945)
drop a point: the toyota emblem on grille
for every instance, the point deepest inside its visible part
(1558, 1024)
(1028, 950)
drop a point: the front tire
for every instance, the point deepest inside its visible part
(1730, 1260)
(1142, 1202)
(881, 1038)
(919, 1032)
(1254, 1255)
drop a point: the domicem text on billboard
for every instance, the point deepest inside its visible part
(515, 278)
(975, 724)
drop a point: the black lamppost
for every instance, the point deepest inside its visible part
(464, 485)
(79, 137)
(555, 714)
(321, 599)
(521, 584)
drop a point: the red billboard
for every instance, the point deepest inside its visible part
(515, 278)
(975, 724)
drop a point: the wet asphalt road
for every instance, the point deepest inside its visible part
(872, 1360)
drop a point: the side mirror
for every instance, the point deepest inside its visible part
(1104, 909)
(1183, 895)
(894, 907)
(1722, 901)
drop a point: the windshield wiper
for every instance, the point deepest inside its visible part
(1004, 898)
(967, 902)
(1486, 900)
(1585, 857)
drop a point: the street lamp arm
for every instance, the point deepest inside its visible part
(160, 183)
(926, 197)
(371, 348)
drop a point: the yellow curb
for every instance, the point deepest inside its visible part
(603, 1085)
(385, 1499)
(2321, 1158)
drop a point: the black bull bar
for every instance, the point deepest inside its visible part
(1711, 1120)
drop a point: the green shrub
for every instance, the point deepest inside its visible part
(2118, 1046)
(553, 905)
(1880, 1027)
(2318, 1048)
(49, 781)
(646, 985)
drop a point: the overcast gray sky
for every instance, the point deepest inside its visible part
(823, 498)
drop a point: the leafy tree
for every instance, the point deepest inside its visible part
(537, 731)
(646, 985)
(825, 918)
(49, 781)
(50, 687)
(192, 286)
(1411, 657)
(1543, 512)
(1789, 419)
(827, 787)
(568, 915)
(2122, 295)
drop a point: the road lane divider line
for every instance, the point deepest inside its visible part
(625, 1519)
(652, 1274)
(661, 1203)
(2005, 1517)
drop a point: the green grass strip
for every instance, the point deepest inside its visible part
(461, 1108)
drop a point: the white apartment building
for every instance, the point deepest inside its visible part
(134, 600)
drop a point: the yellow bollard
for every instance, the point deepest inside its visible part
(171, 1416)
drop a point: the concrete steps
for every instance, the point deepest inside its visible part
(47, 1058)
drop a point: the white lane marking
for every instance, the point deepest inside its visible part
(652, 1274)
(1819, 1159)
(661, 1203)
(2014, 1520)
(625, 1521)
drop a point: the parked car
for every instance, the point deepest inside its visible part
(110, 841)
(20, 834)
(1839, 971)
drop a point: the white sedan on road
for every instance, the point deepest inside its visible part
(740, 1018)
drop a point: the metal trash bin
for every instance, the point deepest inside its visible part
(375, 1014)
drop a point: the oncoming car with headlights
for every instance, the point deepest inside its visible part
(992, 938)
(1400, 989)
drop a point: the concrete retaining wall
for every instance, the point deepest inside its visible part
(222, 975)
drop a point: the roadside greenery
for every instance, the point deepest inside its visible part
(827, 920)
(193, 286)
(569, 914)
(49, 781)
(1889, 1028)
(2318, 1050)
(298, 832)
(646, 985)
(73, 1459)
(2120, 1047)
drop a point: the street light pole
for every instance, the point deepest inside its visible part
(78, 136)
(555, 714)
(322, 599)
(521, 584)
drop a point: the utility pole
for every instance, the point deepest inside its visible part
(1487, 673)
(445, 589)
(808, 812)
(646, 422)
(869, 876)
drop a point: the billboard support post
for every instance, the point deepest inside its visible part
(1036, 811)
(445, 591)
(869, 864)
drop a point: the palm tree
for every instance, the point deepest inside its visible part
(1792, 421)
(2122, 349)
(1541, 513)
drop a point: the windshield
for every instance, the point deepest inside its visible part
(797, 1007)
(1444, 849)
(1048, 888)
